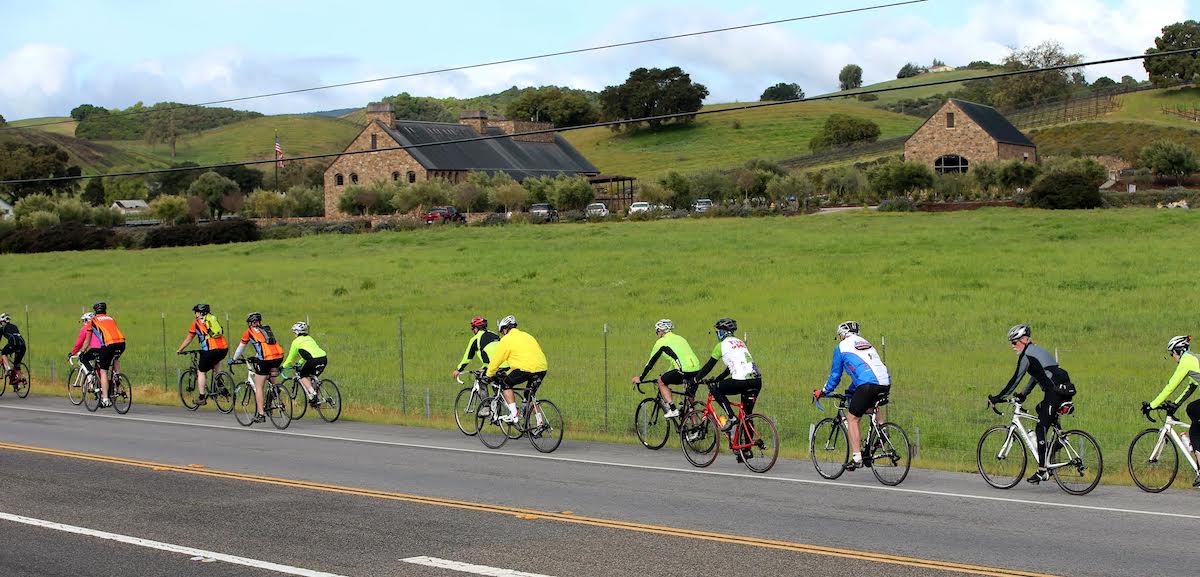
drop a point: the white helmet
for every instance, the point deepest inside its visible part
(664, 325)
(1018, 332)
(300, 328)
(507, 322)
(4, 318)
(1180, 344)
(847, 328)
(86, 317)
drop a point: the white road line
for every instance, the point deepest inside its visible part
(469, 568)
(194, 554)
(659, 468)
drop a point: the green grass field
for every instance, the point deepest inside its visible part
(1146, 107)
(254, 139)
(943, 289)
(61, 125)
(895, 95)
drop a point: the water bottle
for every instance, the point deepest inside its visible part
(1032, 436)
(1187, 443)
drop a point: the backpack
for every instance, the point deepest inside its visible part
(214, 327)
(1061, 382)
(267, 332)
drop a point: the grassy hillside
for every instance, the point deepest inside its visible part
(92, 157)
(1147, 107)
(1123, 139)
(63, 124)
(1096, 294)
(254, 139)
(886, 97)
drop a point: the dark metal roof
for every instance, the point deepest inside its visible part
(994, 123)
(520, 159)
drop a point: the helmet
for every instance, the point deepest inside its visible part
(664, 325)
(4, 318)
(847, 328)
(508, 322)
(86, 317)
(100, 308)
(1180, 344)
(254, 318)
(479, 323)
(202, 309)
(300, 328)
(1018, 332)
(726, 324)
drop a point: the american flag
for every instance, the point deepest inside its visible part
(278, 153)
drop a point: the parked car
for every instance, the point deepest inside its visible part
(662, 207)
(702, 205)
(639, 207)
(596, 210)
(444, 214)
(544, 210)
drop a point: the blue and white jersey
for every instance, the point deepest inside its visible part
(856, 356)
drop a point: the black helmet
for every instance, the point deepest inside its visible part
(254, 318)
(726, 324)
(100, 307)
(202, 309)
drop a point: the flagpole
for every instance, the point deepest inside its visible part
(276, 161)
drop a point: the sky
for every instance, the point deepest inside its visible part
(57, 54)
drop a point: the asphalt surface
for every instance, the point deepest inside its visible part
(937, 516)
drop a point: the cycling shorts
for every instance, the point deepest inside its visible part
(865, 397)
(89, 358)
(313, 367)
(208, 359)
(265, 368)
(109, 355)
(17, 352)
(517, 377)
(676, 377)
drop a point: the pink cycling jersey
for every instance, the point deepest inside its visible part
(84, 333)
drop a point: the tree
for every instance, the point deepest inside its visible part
(176, 182)
(170, 209)
(1103, 83)
(782, 91)
(2, 120)
(541, 189)
(467, 195)
(937, 62)
(423, 108)
(654, 193)
(1180, 67)
(247, 178)
(842, 130)
(910, 70)
(573, 192)
(1128, 80)
(850, 77)
(93, 193)
(305, 200)
(1065, 190)
(1032, 89)
(161, 128)
(653, 92)
(83, 111)
(1167, 158)
(677, 187)
(1016, 174)
(510, 196)
(899, 178)
(217, 192)
(21, 161)
(552, 104)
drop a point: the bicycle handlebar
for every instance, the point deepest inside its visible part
(237, 362)
(189, 352)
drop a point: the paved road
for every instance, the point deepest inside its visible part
(353, 499)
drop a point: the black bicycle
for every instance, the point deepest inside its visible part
(120, 392)
(649, 420)
(328, 400)
(277, 400)
(885, 448)
(21, 384)
(219, 386)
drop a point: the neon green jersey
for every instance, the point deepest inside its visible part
(678, 349)
(304, 346)
(1188, 369)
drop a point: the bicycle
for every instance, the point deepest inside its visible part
(698, 434)
(75, 380)
(220, 386)
(885, 450)
(329, 396)
(494, 432)
(470, 399)
(648, 418)
(277, 401)
(120, 392)
(1154, 463)
(1069, 455)
(20, 386)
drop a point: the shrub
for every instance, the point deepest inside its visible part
(403, 223)
(713, 185)
(845, 184)
(985, 174)
(952, 187)
(1116, 199)
(1170, 159)
(494, 219)
(572, 193)
(1065, 190)
(33, 203)
(573, 216)
(897, 204)
(73, 210)
(305, 201)
(57, 238)
(40, 219)
(220, 232)
(373, 199)
(1017, 174)
(265, 204)
(425, 193)
(842, 130)
(867, 97)
(131, 238)
(170, 209)
(899, 179)
(104, 216)
(281, 231)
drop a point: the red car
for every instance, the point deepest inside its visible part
(444, 214)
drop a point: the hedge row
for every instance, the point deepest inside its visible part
(19, 239)
(195, 234)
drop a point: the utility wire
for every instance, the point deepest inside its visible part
(830, 96)
(492, 63)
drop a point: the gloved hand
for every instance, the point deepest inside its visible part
(1019, 397)
(1145, 406)
(230, 362)
(995, 399)
(818, 393)
(1170, 406)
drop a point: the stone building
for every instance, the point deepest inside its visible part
(533, 155)
(961, 133)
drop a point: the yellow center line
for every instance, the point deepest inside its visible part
(565, 517)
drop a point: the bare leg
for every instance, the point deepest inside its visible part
(307, 384)
(258, 395)
(854, 433)
(104, 384)
(666, 392)
(200, 377)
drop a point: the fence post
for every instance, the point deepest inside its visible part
(166, 382)
(605, 377)
(28, 332)
(917, 445)
(403, 401)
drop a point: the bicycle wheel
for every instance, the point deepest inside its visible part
(1084, 462)
(22, 389)
(91, 392)
(829, 449)
(187, 390)
(891, 455)
(221, 390)
(278, 405)
(121, 394)
(75, 387)
(700, 437)
(547, 436)
(3, 381)
(763, 437)
(1001, 457)
(243, 404)
(491, 430)
(1153, 473)
(652, 428)
(330, 397)
(296, 391)
(466, 403)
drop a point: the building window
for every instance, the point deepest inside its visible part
(412, 177)
(338, 180)
(950, 164)
(395, 176)
(374, 141)
(949, 122)
(353, 178)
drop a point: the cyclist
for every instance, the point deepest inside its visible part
(870, 381)
(686, 364)
(267, 360)
(213, 345)
(483, 343)
(526, 362)
(741, 375)
(305, 348)
(14, 345)
(1043, 370)
(112, 346)
(86, 337)
(1189, 369)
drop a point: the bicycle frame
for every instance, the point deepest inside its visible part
(737, 431)
(658, 397)
(1168, 432)
(1019, 414)
(478, 387)
(873, 431)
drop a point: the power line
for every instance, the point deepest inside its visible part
(492, 63)
(610, 123)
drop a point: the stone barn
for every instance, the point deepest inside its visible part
(961, 133)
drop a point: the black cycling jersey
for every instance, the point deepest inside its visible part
(13, 334)
(1042, 368)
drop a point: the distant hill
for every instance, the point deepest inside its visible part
(59, 124)
(254, 140)
(493, 104)
(954, 79)
(91, 157)
(338, 113)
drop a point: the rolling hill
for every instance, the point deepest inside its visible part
(253, 140)
(91, 157)
(62, 124)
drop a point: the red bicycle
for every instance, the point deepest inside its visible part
(754, 440)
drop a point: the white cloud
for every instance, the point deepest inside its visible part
(36, 79)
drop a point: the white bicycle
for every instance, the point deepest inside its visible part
(469, 399)
(1153, 462)
(75, 380)
(1072, 457)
